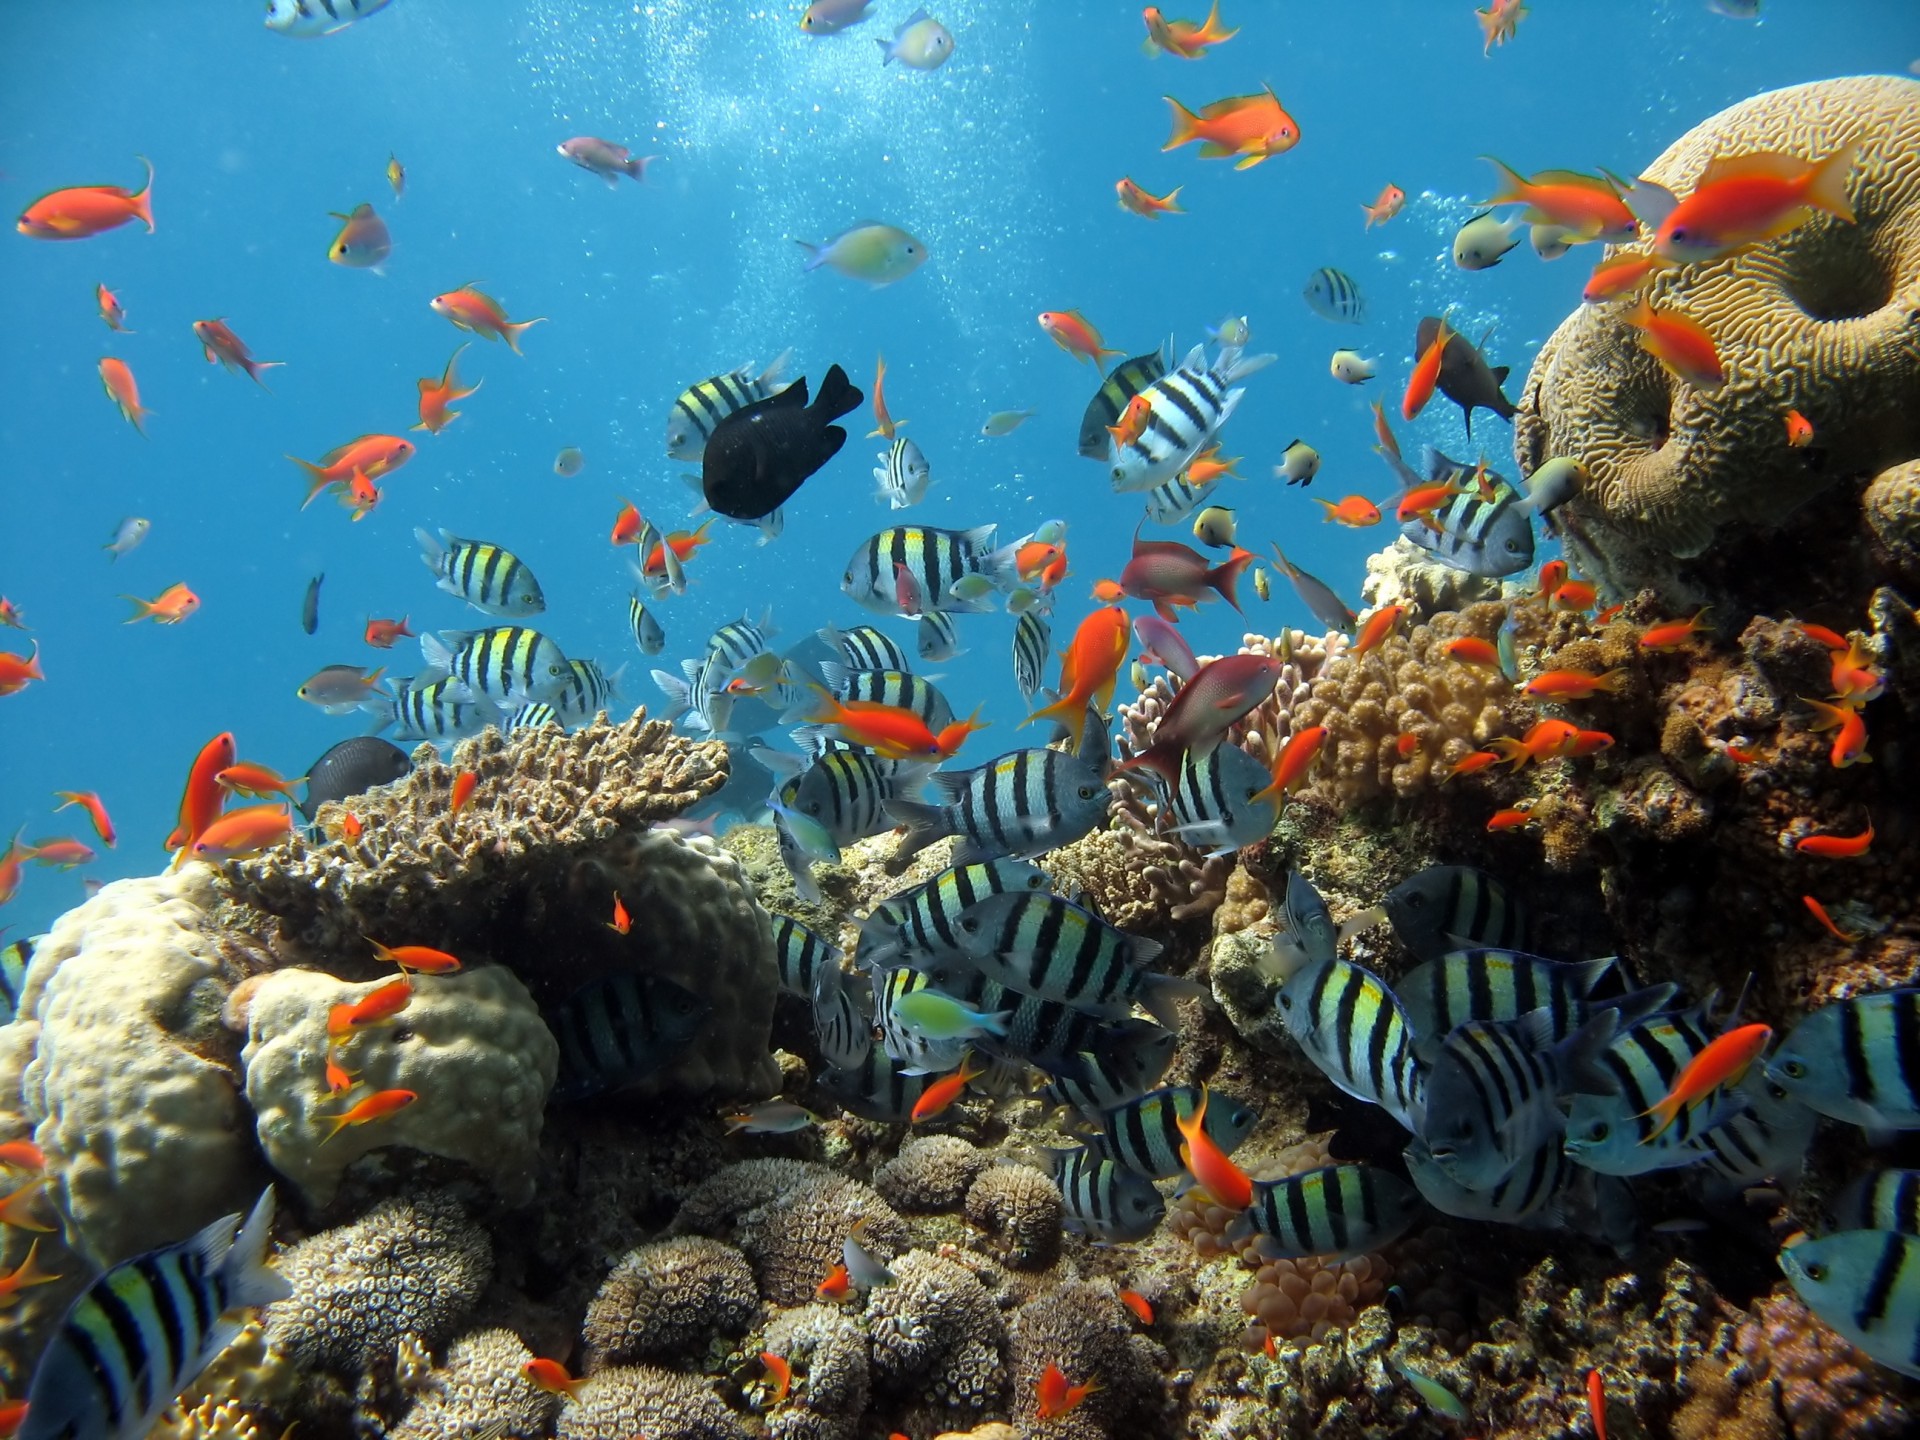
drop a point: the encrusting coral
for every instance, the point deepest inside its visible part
(1818, 321)
(1019, 1209)
(827, 1351)
(667, 1300)
(481, 1385)
(1082, 1327)
(937, 1343)
(930, 1172)
(631, 1400)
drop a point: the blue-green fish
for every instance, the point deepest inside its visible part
(1866, 1285)
(932, 1015)
(1857, 1060)
(1433, 1392)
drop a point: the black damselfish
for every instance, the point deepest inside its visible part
(351, 768)
(758, 456)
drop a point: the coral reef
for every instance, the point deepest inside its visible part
(470, 1045)
(1082, 1327)
(1404, 574)
(828, 1350)
(931, 1172)
(480, 1385)
(666, 1300)
(631, 1400)
(938, 1342)
(1818, 320)
(1020, 1211)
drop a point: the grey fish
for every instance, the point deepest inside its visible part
(1025, 803)
(1532, 1194)
(1335, 1212)
(877, 1088)
(937, 639)
(1350, 1024)
(535, 717)
(1615, 1134)
(310, 606)
(1766, 1140)
(1132, 1058)
(890, 687)
(906, 1045)
(140, 1333)
(1865, 1284)
(1040, 945)
(1032, 637)
(1465, 377)
(1454, 907)
(700, 698)
(925, 919)
(1123, 382)
(902, 476)
(1213, 800)
(1857, 1060)
(482, 574)
(439, 710)
(588, 692)
(1883, 1200)
(1328, 608)
(648, 634)
(503, 664)
(849, 792)
(352, 767)
(738, 641)
(1101, 1200)
(867, 647)
(1471, 533)
(616, 1031)
(127, 535)
(841, 1028)
(1491, 984)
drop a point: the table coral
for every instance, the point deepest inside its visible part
(1819, 321)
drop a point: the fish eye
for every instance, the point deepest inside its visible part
(1599, 1131)
(1087, 792)
(1815, 1271)
(1794, 1069)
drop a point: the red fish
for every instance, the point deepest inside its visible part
(1799, 430)
(1670, 635)
(419, 959)
(377, 1106)
(96, 811)
(1597, 1404)
(1472, 650)
(373, 1008)
(350, 825)
(1055, 1395)
(1133, 422)
(16, 1209)
(13, 1414)
(22, 1155)
(1741, 200)
(1379, 625)
(12, 868)
(883, 421)
(339, 1078)
(1252, 127)
(372, 455)
(1588, 742)
(1821, 635)
(382, 633)
(1575, 595)
(1075, 334)
(627, 526)
(17, 671)
(1183, 38)
(1138, 1304)
(937, 1097)
(1471, 763)
(684, 543)
(1354, 510)
(1513, 819)
(124, 391)
(203, 796)
(622, 923)
(61, 854)
(1585, 207)
(246, 778)
(1167, 573)
(551, 1376)
(1385, 207)
(1142, 202)
(169, 607)
(1546, 740)
(1404, 745)
(1089, 671)
(1574, 684)
(1621, 276)
(837, 1286)
(240, 833)
(222, 345)
(481, 314)
(1819, 912)
(85, 210)
(780, 1372)
(1210, 1166)
(893, 730)
(463, 786)
(11, 616)
(111, 310)
(437, 395)
(1850, 737)
(1721, 1064)
(1296, 758)
(1680, 344)
(1836, 847)
(1426, 373)
(1553, 575)
(1855, 682)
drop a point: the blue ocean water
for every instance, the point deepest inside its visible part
(1003, 162)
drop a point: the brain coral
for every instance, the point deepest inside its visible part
(409, 1267)
(1822, 321)
(668, 1299)
(471, 1046)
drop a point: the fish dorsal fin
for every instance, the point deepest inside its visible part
(1576, 178)
(1769, 163)
(1500, 373)
(1196, 359)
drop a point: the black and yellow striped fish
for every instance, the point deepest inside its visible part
(703, 405)
(907, 569)
(889, 687)
(1025, 803)
(925, 920)
(1143, 1134)
(877, 1089)
(482, 574)
(435, 711)
(800, 951)
(1032, 638)
(1130, 1061)
(619, 1029)
(507, 665)
(1350, 1024)
(1123, 382)
(867, 647)
(1103, 1201)
(1336, 1212)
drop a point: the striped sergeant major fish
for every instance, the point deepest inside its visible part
(902, 476)
(1488, 984)
(704, 405)
(616, 1031)
(142, 1332)
(535, 717)
(876, 1089)
(1186, 409)
(1857, 1060)
(481, 573)
(1335, 295)
(848, 792)
(648, 634)
(917, 1054)
(1350, 1025)
(1883, 1200)
(1764, 1140)
(588, 691)
(1172, 501)
(504, 664)
(1024, 804)
(1865, 1284)
(310, 19)
(1613, 1134)
(1123, 382)
(1534, 1194)
(13, 977)
(1454, 907)
(1032, 641)
(867, 647)
(888, 687)
(1133, 1057)
(800, 952)
(924, 920)
(840, 1026)
(1101, 1200)
(436, 710)
(1143, 1135)
(1336, 1212)
(1485, 529)
(1040, 945)
(1213, 800)
(1496, 1091)
(908, 569)
(700, 700)
(738, 641)
(937, 640)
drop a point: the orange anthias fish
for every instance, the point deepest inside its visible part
(1182, 37)
(1470, 764)
(1575, 595)
(338, 1077)
(1109, 592)
(1546, 740)
(1574, 684)
(437, 395)
(1377, 628)
(1211, 1167)
(837, 1286)
(1722, 1064)
(780, 1372)
(1426, 373)
(372, 455)
(1140, 202)
(13, 1414)
(1836, 847)
(1684, 349)
(684, 543)
(937, 1097)
(463, 787)
(350, 826)
(382, 633)
(551, 1376)
(1405, 744)
(111, 310)
(1741, 200)
(23, 1155)
(1588, 742)
(1207, 466)
(622, 922)
(1850, 739)
(1799, 430)
(481, 314)
(169, 607)
(1822, 635)
(1855, 682)
(240, 833)
(1055, 1395)
(1498, 22)
(1253, 127)
(1582, 207)
(1141, 1307)
(627, 525)
(1353, 510)
(1032, 559)
(373, 1008)
(1132, 423)
(377, 1106)
(122, 389)
(61, 854)
(1388, 205)
(1472, 650)
(85, 210)
(1620, 276)
(223, 346)
(12, 616)
(1819, 912)
(1076, 335)
(1670, 635)
(1089, 670)
(892, 730)
(26, 1273)
(884, 423)
(417, 959)
(17, 670)
(246, 778)
(203, 796)
(360, 496)
(16, 1209)
(96, 811)
(1553, 575)
(1420, 502)
(1597, 1404)
(1296, 758)
(1514, 819)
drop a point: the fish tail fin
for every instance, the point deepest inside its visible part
(837, 396)
(247, 1278)
(1186, 125)
(317, 479)
(1226, 576)
(1612, 681)
(678, 693)
(143, 202)
(637, 166)
(254, 367)
(1826, 186)
(924, 825)
(1163, 994)
(816, 254)
(512, 330)
(1514, 185)
(1510, 750)
(1069, 711)
(141, 609)
(1212, 31)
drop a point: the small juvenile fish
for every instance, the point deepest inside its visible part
(1214, 526)
(1299, 463)
(771, 1117)
(1484, 240)
(128, 535)
(569, 463)
(1433, 1392)
(931, 1015)
(341, 689)
(1349, 367)
(1005, 422)
(310, 605)
(363, 242)
(876, 253)
(605, 159)
(396, 175)
(1334, 295)
(921, 43)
